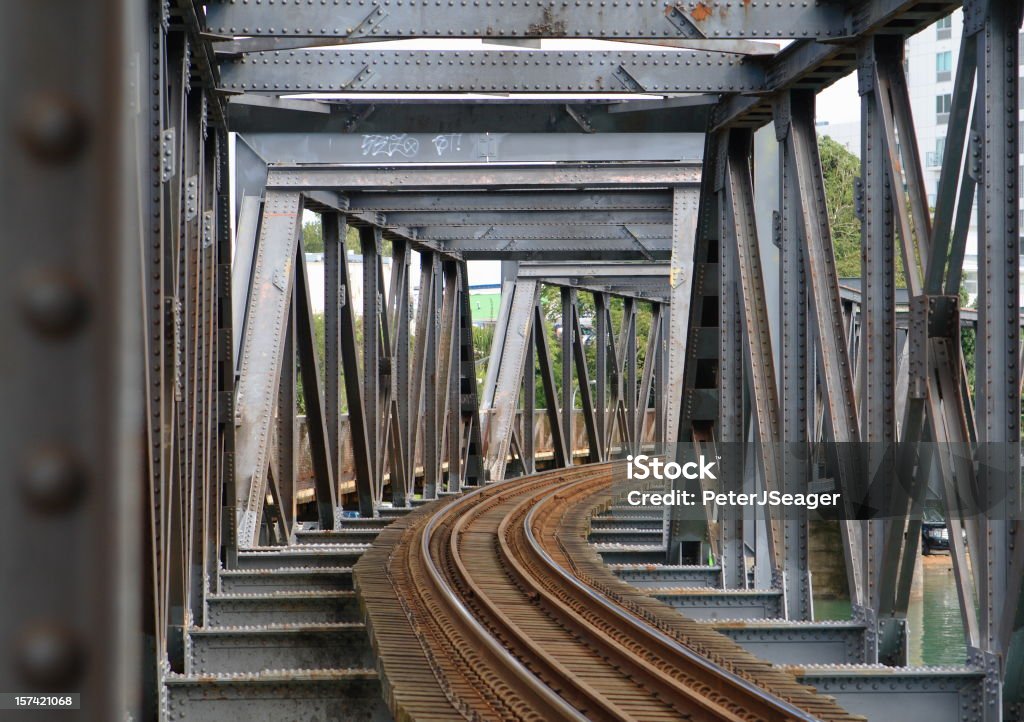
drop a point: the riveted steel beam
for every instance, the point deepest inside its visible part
(470, 114)
(685, 207)
(460, 71)
(740, 231)
(262, 352)
(630, 19)
(1000, 554)
(836, 370)
(514, 177)
(473, 224)
(324, 472)
(568, 233)
(509, 361)
(450, 147)
(471, 204)
(794, 387)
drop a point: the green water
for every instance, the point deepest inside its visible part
(933, 619)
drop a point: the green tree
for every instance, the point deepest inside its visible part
(313, 238)
(840, 170)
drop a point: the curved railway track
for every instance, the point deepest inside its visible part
(514, 627)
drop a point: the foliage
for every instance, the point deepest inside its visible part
(840, 170)
(313, 237)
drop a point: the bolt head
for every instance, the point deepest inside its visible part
(54, 303)
(49, 656)
(52, 480)
(53, 128)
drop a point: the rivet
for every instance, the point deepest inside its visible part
(52, 480)
(49, 656)
(53, 128)
(54, 303)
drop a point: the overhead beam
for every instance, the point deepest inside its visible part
(616, 21)
(465, 147)
(461, 71)
(472, 221)
(604, 175)
(554, 249)
(492, 114)
(569, 232)
(512, 201)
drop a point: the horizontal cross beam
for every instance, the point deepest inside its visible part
(512, 202)
(342, 148)
(605, 175)
(596, 249)
(577, 232)
(250, 113)
(640, 19)
(461, 71)
(525, 221)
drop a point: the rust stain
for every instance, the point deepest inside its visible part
(701, 12)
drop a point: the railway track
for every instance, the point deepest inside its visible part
(515, 621)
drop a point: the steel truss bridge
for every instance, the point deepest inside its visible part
(161, 340)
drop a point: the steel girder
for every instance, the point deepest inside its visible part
(796, 387)
(632, 19)
(293, 72)
(1000, 552)
(739, 232)
(407, 147)
(468, 177)
(468, 205)
(796, 124)
(75, 430)
(290, 72)
(682, 270)
(280, 323)
(482, 115)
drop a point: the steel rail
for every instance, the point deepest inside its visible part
(544, 694)
(655, 666)
(565, 679)
(644, 628)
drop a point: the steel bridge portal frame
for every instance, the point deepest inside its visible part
(208, 447)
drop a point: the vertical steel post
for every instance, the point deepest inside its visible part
(796, 464)
(370, 242)
(731, 378)
(999, 557)
(568, 405)
(741, 231)
(334, 231)
(601, 372)
(359, 429)
(629, 359)
(287, 438)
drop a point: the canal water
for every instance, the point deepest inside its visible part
(933, 619)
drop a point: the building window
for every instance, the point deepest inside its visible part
(944, 28)
(944, 65)
(933, 159)
(942, 105)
